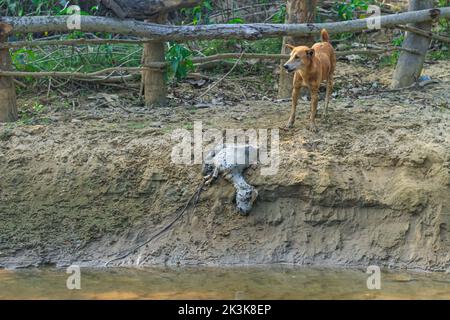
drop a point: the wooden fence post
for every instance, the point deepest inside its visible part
(409, 65)
(8, 103)
(153, 82)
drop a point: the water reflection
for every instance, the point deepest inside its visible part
(222, 283)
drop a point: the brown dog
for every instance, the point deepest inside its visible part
(312, 66)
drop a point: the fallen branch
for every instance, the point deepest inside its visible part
(30, 24)
(224, 56)
(98, 76)
(74, 42)
(142, 9)
(264, 56)
(424, 33)
(20, 84)
(214, 64)
(67, 74)
(235, 10)
(221, 79)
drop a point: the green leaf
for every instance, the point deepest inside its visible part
(207, 5)
(236, 21)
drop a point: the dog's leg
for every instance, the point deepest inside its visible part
(314, 103)
(295, 95)
(329, 92)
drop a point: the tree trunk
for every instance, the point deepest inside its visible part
(153, 82)
(8, 104)
(143, 9)
(31, 24)
(409, 66)
(297, 11)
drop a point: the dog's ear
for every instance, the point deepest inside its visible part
(290, 46)
(310, 53)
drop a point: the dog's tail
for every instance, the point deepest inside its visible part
(325, 36)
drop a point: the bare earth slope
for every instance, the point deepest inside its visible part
(371, 187)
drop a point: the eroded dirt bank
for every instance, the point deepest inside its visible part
(371, 187)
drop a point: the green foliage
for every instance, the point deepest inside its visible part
(236, 21)
(349, 10)
(443, 25)
(20, 8)
(269, 45)
(30, 114)
(67, 11)
(442, 54)
(92, 58)
(352, 9)
(199, 14)
(80, 58)
(391, 59)
(280, 15)
(218, 46)
(179, 62)
(398, 41)
(37, 7)
(23, 59)
(38, 108)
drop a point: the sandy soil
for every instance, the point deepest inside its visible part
(85, 184)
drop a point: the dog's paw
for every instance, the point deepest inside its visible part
(312, 127)
(289, 125)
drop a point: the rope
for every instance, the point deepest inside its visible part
(195, 196)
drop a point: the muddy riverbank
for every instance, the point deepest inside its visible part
(371, 187)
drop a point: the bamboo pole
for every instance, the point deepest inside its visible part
(8, 102)
(153, 82)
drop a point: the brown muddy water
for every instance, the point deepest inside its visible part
(222, 283)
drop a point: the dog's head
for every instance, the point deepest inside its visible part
(300, 57)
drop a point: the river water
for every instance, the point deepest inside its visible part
(222, 283)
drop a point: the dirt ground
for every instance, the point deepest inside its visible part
(87, 182)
